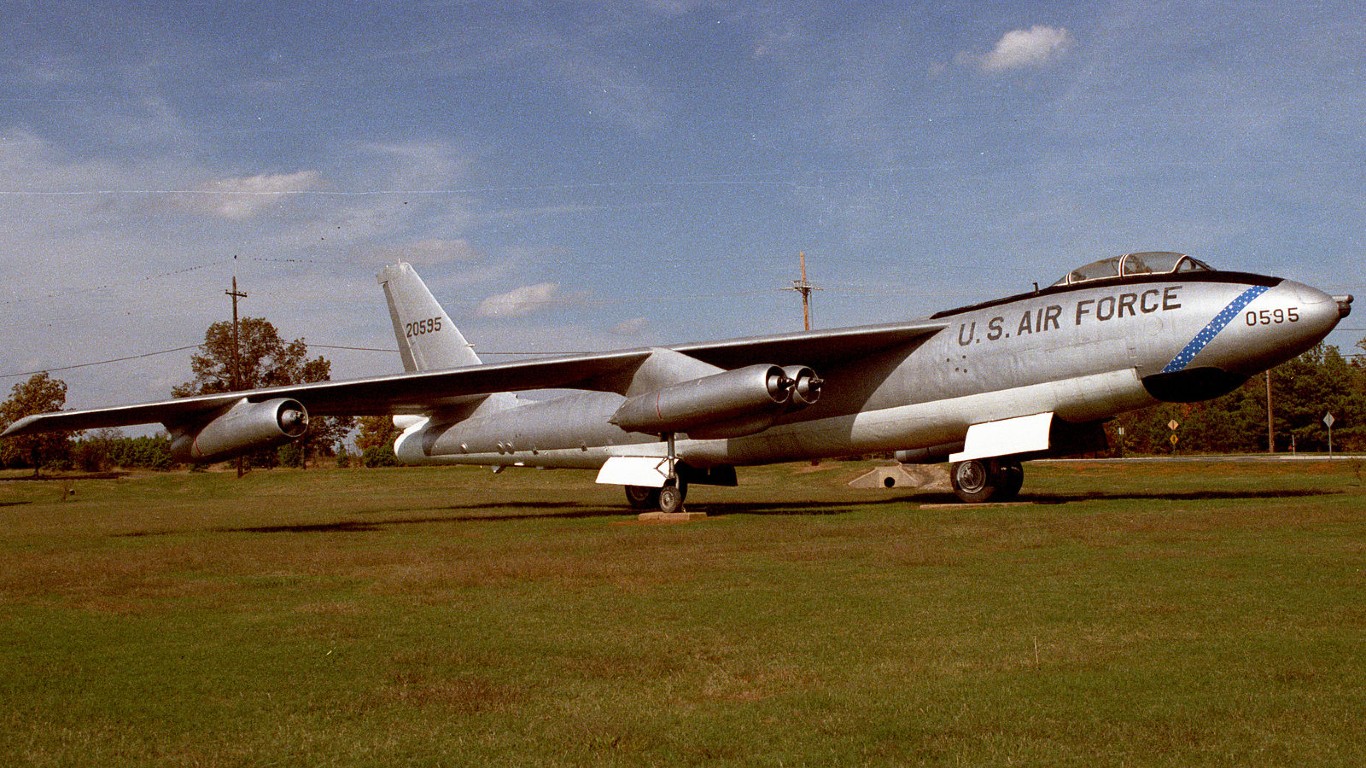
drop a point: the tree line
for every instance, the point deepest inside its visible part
(1303, 391)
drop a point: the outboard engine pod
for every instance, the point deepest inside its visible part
(244, 427)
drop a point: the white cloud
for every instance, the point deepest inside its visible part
(633, 327)
(519, 301)
(244, 197)
(1026, 48)
(431, 251)
(420, 165)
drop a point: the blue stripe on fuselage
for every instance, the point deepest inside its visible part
(1216, 325)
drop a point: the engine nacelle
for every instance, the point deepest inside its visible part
(806, 386)
(243, 427)
(730, 404)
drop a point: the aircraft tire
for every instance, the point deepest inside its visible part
(642, 497)
(975, 481)
(1012, 479)
(671, 498)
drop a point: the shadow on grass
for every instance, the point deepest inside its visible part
(364, 526)
(1041, 498)
(66, 476)
(546, 510)
(573, 510)
(795, 508)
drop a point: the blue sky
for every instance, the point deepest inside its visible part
(585, 176)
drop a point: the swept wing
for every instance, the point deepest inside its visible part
(424, 392)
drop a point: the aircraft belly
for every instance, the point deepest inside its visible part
(562, 427)
(918, 425)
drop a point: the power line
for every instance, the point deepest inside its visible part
(98, 362)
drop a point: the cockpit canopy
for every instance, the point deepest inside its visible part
(1145, 263)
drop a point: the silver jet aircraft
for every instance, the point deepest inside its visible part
(984, 387)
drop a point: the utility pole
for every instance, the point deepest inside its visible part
(236, 352)
(805, 288)
(236, 342)
(1270, 422)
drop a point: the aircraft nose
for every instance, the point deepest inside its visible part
(1344, 305)
(1287, 320)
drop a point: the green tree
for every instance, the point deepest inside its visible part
(40, 394)
(1303, 390)
(92, 452)
(375, 441)
(264, 360)
(1307, 388)
(146, 452)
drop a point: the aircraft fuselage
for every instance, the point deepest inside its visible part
(1084, 353)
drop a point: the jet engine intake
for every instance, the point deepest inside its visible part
(739, 402)
(244, 427)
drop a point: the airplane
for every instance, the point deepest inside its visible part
(983, 387)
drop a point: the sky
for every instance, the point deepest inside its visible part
(582, 176)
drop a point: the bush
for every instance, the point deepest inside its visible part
(290, 455)
(380, 456)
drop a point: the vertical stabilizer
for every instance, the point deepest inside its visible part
(427, 339)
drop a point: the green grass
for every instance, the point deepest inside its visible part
(1139, 614)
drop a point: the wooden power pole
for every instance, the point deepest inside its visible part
(1270, 421)
(804, 287)
(236, 353)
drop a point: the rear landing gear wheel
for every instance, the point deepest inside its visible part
(982, 480)
(671, 498)
(642, 497)
(1012, 478)
(986, 480)
(974, 481)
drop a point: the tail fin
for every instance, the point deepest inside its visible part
(427, 339)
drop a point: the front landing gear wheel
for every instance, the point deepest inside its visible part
(671, 498)
(642, 497)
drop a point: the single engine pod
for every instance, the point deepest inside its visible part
(244, 427)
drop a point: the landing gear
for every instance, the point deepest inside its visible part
(675, 488)
(671, 497)
(668, 498)
(642, 497)
(981, 480)
(1013, 473)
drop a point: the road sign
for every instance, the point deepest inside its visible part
(1173, 424)
(1328, 420)
(1175, 440)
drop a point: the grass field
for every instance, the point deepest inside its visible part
(1136, 614)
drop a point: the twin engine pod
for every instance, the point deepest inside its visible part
(730, 404)
(244, 427)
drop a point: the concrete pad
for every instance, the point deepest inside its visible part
(964, 505)
(675, 517)
(925, 477)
